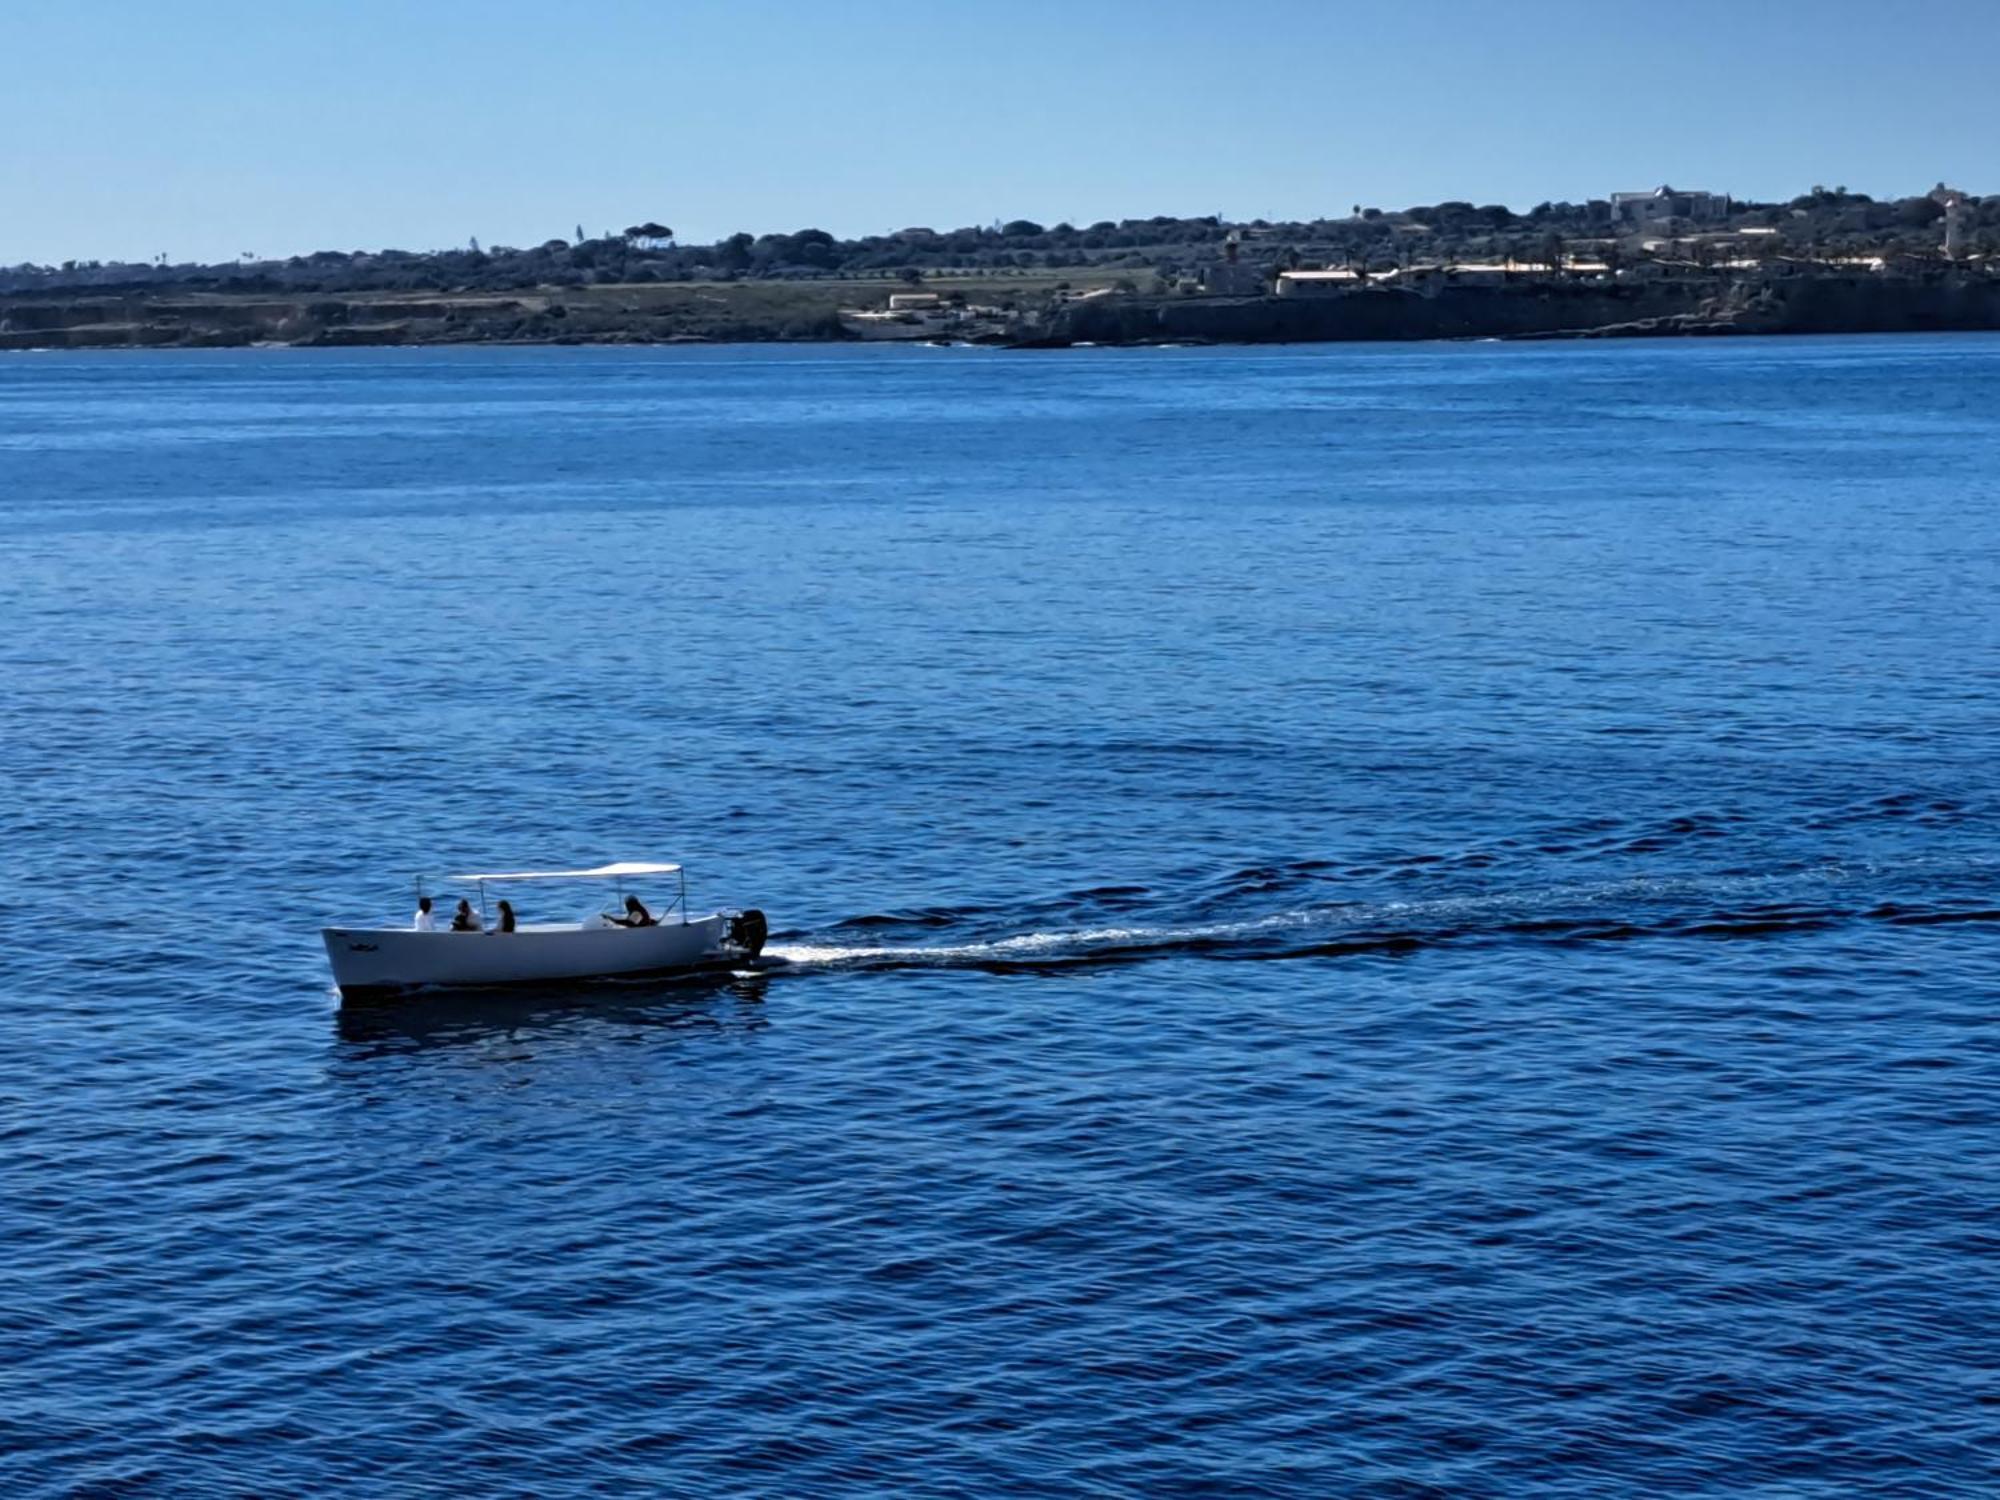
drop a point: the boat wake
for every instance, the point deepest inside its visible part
(1691, 907)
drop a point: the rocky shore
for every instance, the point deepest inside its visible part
(597, 315)
(1544, 310)
(760, 312)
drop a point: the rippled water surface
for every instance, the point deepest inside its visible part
(1359, 921)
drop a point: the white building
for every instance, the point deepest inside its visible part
(1953, 203)
(1665, 206)
(1316, 283)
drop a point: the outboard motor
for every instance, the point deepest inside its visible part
(747, 930)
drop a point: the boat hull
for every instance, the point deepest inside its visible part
(376, 961)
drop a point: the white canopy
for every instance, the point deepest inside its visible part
(626, 867)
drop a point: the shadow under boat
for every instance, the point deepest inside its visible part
(440, 1016)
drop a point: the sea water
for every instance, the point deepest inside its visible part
(1380, 920)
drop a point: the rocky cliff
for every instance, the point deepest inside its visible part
(1803, 304)
(1856, 303)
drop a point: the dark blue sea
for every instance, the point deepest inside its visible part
(1381, 921)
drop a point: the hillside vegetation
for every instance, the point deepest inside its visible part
(1824, 222)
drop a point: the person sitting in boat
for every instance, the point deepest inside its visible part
(465, 919)
(423, 921)
(506, 922)
(636, 915)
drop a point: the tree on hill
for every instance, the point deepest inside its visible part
(809, 247)
(733, 254)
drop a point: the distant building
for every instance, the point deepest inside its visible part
(1315, 283)
(909, 315)
(1429, 280)
(1665, 206)
(1470, 273)
(1235, 278)
(1231, 277)
(1952, 201)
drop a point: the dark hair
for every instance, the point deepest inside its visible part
(423, 903)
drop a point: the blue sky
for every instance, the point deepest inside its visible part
(204, 129)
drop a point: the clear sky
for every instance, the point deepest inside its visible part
(205, 128)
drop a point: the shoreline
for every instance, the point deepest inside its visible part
(1019, 317)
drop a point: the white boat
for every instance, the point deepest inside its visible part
(371, 961)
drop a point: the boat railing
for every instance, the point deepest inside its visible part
(618, 872)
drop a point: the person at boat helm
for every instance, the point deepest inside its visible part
(423, 921)
(506, 922)
(636, 915)
(463, 920)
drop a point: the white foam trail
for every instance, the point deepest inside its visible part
(1335, 917)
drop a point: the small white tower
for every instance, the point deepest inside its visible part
(1954, 219)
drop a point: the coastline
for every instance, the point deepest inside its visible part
(1020, 314)
(1550, 309)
